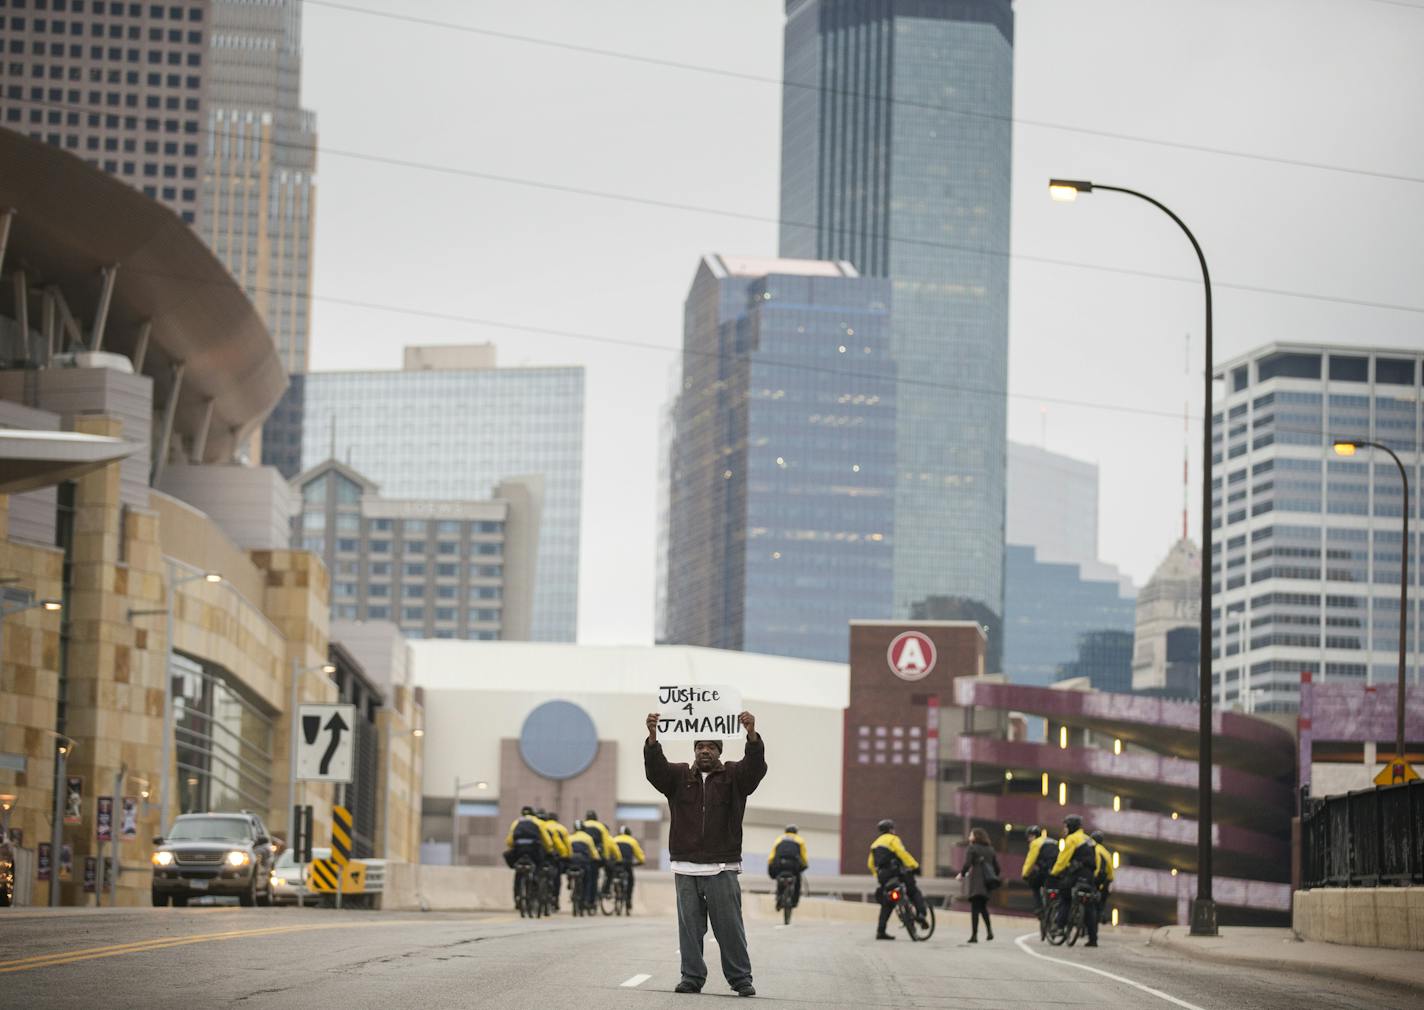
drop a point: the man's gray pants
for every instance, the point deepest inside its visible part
(718, 898)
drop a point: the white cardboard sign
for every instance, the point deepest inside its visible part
(699, 712)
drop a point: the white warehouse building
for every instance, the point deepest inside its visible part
(561, 726)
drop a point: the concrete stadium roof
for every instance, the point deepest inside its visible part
(72, 222)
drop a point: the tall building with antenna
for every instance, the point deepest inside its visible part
(896, 136)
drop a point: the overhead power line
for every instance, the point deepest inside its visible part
(741, 75)
(586, 191)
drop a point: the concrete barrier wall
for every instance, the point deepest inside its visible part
(420, 887)
(1361, 916)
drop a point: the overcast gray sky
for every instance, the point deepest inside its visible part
(1338, 82)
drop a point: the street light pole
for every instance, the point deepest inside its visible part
(1203, 908)
(1347, 448)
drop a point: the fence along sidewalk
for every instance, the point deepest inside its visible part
(1370, 838)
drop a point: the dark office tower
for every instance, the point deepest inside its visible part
(782, 470)
(896, 156)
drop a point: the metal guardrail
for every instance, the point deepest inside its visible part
(1370, 838)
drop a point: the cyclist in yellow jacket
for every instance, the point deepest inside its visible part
(1077, 862)
(586, 854)
(1103, 875)
(608, 852)
(1042, 852)
(560, 835)
(630, 854)
(890, 860)
(788, 855)
(529, 839)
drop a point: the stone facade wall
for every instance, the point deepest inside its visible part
(1361, 916)
(29, 685)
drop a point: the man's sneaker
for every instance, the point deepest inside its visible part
(685, 986)
(745, 989)
(883, 936)
(1091, 943)
(923, 922)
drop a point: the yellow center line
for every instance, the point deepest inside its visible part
(160, 943)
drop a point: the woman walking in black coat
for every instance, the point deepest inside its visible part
(981, 868)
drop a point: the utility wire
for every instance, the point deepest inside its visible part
(909, 103)
(852, 374)
(470, 173)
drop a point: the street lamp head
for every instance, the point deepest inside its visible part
(52, 605)
(1346, 448)
(212, 577)
(417, 733)
(1067, 190)
(481, 785)
(328, 668)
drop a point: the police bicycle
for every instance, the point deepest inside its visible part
(786, 898)
(899, 897)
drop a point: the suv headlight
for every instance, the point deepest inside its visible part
(237, 858)
(163, 858)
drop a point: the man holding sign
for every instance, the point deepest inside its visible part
(706, 800)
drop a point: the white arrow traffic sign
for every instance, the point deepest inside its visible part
(326, 736)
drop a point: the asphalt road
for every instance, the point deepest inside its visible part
(262, 959)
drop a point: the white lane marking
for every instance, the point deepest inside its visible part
(781, 925)
(1098, 971)
(634, 982)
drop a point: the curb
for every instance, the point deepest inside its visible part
(1162, 940)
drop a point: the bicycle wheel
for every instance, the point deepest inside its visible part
(1056, 934)
(1075, 923)
(521, 893)
(922, 933)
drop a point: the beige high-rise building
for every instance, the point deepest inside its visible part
(1167, 645)
(121, 85)
(259, 199)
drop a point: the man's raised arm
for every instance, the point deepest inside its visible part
(655, 762)
(752, 768)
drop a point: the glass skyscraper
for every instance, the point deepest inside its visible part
(1306, 564)
(454, 433)
(782, 468)
(1049, 607)
(896, 157)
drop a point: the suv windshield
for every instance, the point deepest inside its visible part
(210, 829)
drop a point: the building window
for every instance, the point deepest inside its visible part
(223, 741)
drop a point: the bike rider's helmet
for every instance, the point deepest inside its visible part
(887, 825)
(791, 829)
(1097, 836)
(1073, 823)
(526, 811)
(1032, 832)
(590, 815)
(578, 825)
(543, 814)
(623, 829)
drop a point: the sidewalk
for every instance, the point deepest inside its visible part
(1261, 947)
